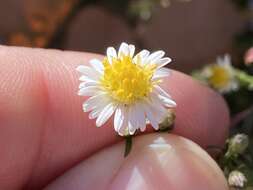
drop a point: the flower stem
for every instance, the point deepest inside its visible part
(128, 145)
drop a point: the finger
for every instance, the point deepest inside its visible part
(155, 162)
(201, 114)
(42, 123)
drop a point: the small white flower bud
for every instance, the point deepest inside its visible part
(238, 144)
(237, 179)
(168, 121)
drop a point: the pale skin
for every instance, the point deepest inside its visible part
(46, 141)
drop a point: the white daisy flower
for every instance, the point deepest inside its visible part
(221, 76)
(128, 87)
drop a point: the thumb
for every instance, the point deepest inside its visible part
(156, 161)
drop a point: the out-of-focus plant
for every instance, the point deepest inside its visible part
(236, 162)
(242, 3)
(220, 75)
(235, 83)
(224, 77)
(236, 86)
(144, 9)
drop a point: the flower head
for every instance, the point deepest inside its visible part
(221, 75)
(127, 86)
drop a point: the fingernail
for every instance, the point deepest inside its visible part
(168, 162)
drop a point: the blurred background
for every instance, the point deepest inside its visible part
(192, 32)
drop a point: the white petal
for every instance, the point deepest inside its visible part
(82, 85)
(155, 100)
(157, 108)
(95, 112)
(123, 130)
(118, 118)
(131, 50)
(88, 83)
(89, 91)
(144, 53)
(99, 107)
(141, 56)
(82, 68)
(87, 79)
(141, 117)
(164, 97)
(159, 90)
(162, 62)
(94, 101)
(88, 72)
(105, 114)
(155, 56)
(123, 49)
(132, 120)
(225, 60)
(111, 53)
(97, 65)
(161, 73)
(150, 116)
(167, 101)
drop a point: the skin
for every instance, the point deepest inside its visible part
(44, 134)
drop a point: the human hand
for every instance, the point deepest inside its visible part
(44, 133)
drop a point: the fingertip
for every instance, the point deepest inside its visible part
(168, 162)
(201, 114)
(156, 161)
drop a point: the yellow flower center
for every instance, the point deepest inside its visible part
(220, 77)
(127, 81)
